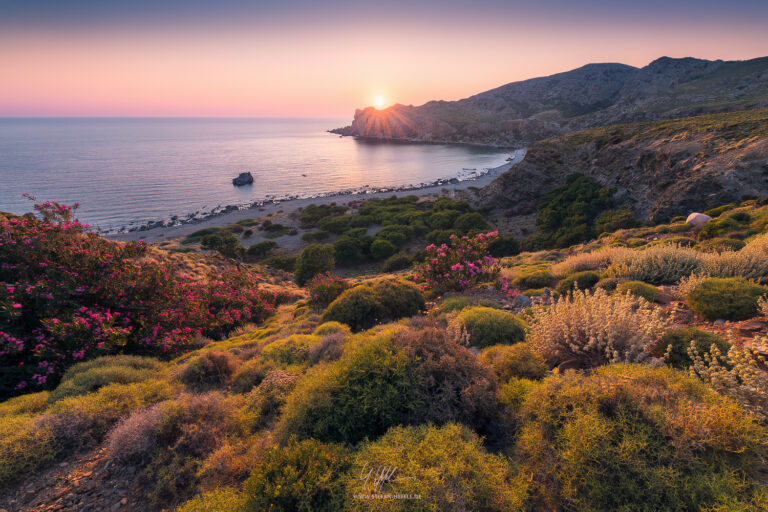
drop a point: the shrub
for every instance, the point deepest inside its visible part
(440, 236)
(30, 403)
(535, 279)
(225, 243)
(24, 447)
(336, 225)
(462, 264)
(460, 302)
(250, 374)
(514, 361)
(261, 249)
(665, 264)
(315, 236)
(674, 345)
(265, 402)
(504, 246)
(596, 260)
(590, 329)
(582, 280)
(395, 234)
(489, 326)
(347, 250)
(291, 350)
(639, 289)
(613, 220)
(381, 249)
(208, 370)
(312, 214)
(367, 304)
(70, 295)
(720, 244)
(303, 476)
(324, 288)
(281, 262)
(218, 500)
(443, 219)
(751, 262)
(630, 437)
(727, 299)
(467, 222)
(469, 478)
(331, 328)
(170, 441)
(313, 260)
(608, 283)
(397, 262)
(87, 377)
(740, 375)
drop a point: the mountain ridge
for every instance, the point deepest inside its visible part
(519, 113)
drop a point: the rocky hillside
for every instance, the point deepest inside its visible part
(661, 169)
(519, 113)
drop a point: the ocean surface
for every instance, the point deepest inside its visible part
(129, 171)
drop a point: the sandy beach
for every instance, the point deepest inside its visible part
(162, 233)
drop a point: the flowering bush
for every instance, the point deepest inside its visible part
(67, 294)
(465, 261)
(324, 288)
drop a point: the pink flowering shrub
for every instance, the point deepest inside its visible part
(324, 288)
(462, 263)
(67, 294)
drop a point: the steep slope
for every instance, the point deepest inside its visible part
(594, 95)
(661, 169)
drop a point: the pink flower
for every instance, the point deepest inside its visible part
(16, 305)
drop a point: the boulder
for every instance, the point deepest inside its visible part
(244, 178)
(697, 220)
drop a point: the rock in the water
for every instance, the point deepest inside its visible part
(245, 178)
(697, 220)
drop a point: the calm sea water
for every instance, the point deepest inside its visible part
(127, 171)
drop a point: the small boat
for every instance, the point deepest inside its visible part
(245, 178)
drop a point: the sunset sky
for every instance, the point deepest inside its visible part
(301, 58)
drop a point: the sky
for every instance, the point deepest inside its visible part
(303, 58)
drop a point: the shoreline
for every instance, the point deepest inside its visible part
(159, 231)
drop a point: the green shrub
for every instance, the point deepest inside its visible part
(490, 326)
(250, 374)
(717, 227)
(367, 304)
(726, 298)
(395, 234)
(608, 283)
(225, 243)
(443, 219)
(263, 404)
(504, 246)
(287, 263)
(291, 350)
(208, 370)
(336, 225)
(681, 241)
(720, 244)
(639, 289)
(582, 280)
(331, 328)
(399, 261)
(460, 302)
(312, 214)
(315, 236)
(467, 222)
(440, 236)
(680, 341)
(517, 361)
(381, 249)
(30, 403)
(313, 260)
(305, 476)
(535, 279)
(89, 376)
(261, 249)
(469, 478)
(25, 446)
(218, 500)
(347, 250)
(630, 437)
(613, 220)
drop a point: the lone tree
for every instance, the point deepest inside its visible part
(225, 244)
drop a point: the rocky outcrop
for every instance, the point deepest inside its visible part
(660, 169)
(244, 178)
(519, 113)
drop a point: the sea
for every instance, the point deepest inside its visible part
(128, 171)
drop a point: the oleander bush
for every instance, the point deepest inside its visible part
(675, 344)
(304, 476)
(665, 264)
(462, 263)
(490, 326)
(514, 361)
(639, 289)
(591, 329)
(365, 305)
(726, 298)
(210, 369)
(469, 478)
(629, 437)
(583, 280)
(325, 288)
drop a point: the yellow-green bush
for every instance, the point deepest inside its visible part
(250, 374)
(210, 369)
(664, 264)
(24, 404)
(443, 469)
(727, 299)
(674, 345)
(331, 328)
(91, 375)
(629, 437)
(24, 447)
(720, 244)
(457, 303)
(218, 500)
(583, 280)
(517, 361)
(292, 350)
(535, 279)
(639, 289)
(264, 403)
(368, 304)
(305, 476)
(490, 326)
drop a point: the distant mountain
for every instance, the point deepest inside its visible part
(660, 169)
(594, 95)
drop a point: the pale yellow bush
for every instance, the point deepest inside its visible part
(595, 328)
(595, 260)
(763, 304)
(751, 262)
(737, 374)
(688, 284)
(662, 264)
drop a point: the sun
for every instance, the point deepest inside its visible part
(379, 102)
